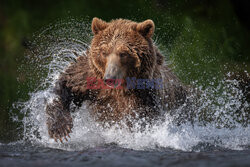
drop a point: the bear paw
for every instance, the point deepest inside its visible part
(59, 125)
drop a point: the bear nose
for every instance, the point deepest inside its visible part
(110, 81)
(109, 78)
(111, 73)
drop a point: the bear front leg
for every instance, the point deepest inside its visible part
(70, 87)
(59, 120)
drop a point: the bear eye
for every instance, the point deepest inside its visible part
(103, 53)
(123, 54)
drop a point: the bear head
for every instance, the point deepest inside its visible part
(122, 48)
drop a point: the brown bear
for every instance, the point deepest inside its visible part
(120, 49)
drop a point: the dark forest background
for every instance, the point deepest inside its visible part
(189, 29)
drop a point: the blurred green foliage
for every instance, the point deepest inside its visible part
(196, 36)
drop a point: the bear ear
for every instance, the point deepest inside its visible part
(98, 25)
(146, 28)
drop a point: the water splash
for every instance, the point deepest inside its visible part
(217, 119)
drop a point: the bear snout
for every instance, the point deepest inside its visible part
(112, 75)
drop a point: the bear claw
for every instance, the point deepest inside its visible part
(59, 134)
(59, 124)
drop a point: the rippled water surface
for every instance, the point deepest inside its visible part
(218, 134)
(19, 154)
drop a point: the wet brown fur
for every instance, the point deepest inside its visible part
(142, 60)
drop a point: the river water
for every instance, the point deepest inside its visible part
(20, 154)
(218, 135)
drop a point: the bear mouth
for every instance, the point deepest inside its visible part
(113, 83)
